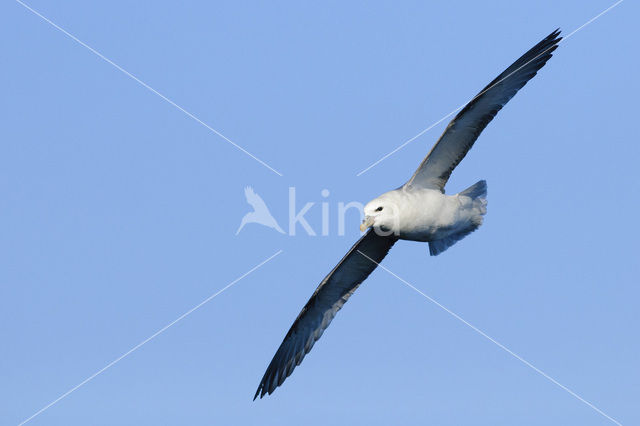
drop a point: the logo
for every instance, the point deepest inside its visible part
(297, 217)
(260, 213)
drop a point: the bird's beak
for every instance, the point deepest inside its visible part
(366, 223)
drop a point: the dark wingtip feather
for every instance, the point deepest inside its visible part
(269, 381)
(262, 388)
(257, 391)
(547, 45)
(553, 39)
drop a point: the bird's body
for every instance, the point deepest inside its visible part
(418, 211)
(424, 214)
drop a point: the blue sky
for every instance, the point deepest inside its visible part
(119, 213)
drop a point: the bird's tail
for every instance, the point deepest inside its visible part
(478, 208)
(477, 190)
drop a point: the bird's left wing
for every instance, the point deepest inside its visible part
(464, 129)
(326, 301)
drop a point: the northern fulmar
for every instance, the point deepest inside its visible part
(417, 211)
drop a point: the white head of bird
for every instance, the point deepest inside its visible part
(383, 214)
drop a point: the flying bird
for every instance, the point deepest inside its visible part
(417, 211)
(260, 213)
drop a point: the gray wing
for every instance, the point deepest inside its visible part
(464, 129)
(326, 301)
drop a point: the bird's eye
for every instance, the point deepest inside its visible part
(379, 209)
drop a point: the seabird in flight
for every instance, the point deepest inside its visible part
(417, 211)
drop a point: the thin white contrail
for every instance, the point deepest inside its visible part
(422, 132)
(500, 345)
(145, 85)
(154, 335)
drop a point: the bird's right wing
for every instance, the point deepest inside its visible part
(326, 301)
(464, 129)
